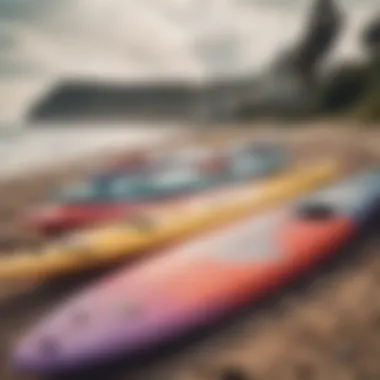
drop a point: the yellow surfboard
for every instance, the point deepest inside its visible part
(113, 243)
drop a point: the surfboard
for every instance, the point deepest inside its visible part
(198, 282)
(80, 203)
(182, 171)
(150, 162)
(111, 244)
(115, 196)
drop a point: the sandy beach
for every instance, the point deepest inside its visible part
(326, 326)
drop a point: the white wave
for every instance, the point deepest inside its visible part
(24, 150)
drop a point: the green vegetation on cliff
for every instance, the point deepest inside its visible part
(353, 89)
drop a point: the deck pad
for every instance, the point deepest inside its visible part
(351, 197)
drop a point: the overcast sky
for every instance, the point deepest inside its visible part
(42, 40)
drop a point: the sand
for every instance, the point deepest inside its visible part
(326, 326)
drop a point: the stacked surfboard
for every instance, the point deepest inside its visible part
(113, 195)
(248, 221)
(160, 226)
(199, 281)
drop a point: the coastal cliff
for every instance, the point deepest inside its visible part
(287, 85)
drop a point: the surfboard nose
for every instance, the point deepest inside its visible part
(66, 343)
(58, 351)
(51, 354)
(36, 354)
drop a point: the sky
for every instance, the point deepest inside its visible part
(42, 41)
